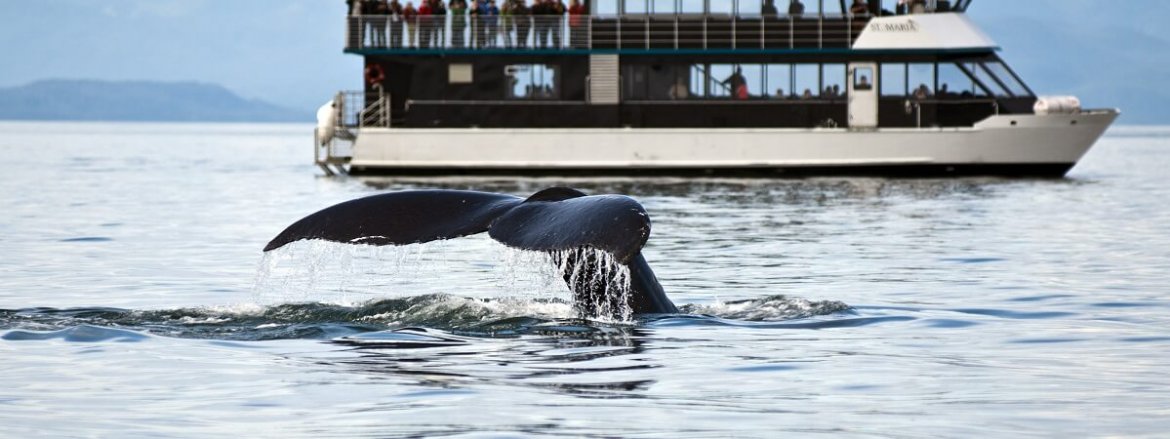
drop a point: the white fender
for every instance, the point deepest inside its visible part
(326, 122)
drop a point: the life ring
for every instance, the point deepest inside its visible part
(375, 74)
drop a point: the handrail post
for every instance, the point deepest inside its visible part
(646, 25)
(821, 31)
(734, 19)
(676, 31)
(704, 32)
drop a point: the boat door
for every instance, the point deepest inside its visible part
(863, 99)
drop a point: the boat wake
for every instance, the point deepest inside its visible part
(417, 321)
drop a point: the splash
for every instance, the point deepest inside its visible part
(768, 309)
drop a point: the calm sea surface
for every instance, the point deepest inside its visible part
(135, 301)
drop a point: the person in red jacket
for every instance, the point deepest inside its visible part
(578, 33)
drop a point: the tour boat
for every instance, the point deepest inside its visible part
(684, 87)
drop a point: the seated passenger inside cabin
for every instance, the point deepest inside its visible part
(863, 83)
(796, 9)
(679, 90)
(922, 92)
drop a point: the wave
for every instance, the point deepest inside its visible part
(434, 319)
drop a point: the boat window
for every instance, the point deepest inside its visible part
(894, 80)
(835, 77)
(533, 81)
(637, 7)
(1009, 79)
(662, 6)
(992, 82)
(657, 82)
(721, 8)
(753, 75)
(953, 83)
(921, 80)
(751, 8)
(778, 80)
(717, 85)
(459, 73)
(691, 6)
(605, 7)
(863, 79)
(808, 80)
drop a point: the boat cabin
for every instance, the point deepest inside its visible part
(859, 65)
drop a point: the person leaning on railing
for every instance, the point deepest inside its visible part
(578, 13)
(395, 24)
(522, 16)
(859, 7)
(439, 30)
(410, 22)
(458, 10)
(381, 9)
(796, 9)
(424, 23)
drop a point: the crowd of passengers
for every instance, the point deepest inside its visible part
(508, 25)
(390, 23)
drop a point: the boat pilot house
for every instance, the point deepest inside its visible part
(503, 73)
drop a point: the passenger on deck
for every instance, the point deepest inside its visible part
(859, 8)
(491, 17)
(458, 10)
(807, 94)
(768, 10)
(780, 94)
(522, 16)
(506, 23)
(410, 18)
(917, 6)
(381, 11)
(439, 28)
(796, 9)
(578, 14)
(424, 23)
(944, 92)
(395, 24)
(903, 7)
(557, 22)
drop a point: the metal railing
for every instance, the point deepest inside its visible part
(361, 109)
(626, 32)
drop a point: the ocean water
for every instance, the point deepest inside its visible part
(135, 301)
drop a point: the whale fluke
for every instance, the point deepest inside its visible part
(558, 221)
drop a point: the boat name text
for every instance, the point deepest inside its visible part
(906, 26)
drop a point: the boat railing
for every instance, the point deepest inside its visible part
(616, 32)
(361, 109)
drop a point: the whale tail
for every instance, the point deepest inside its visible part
(559, 221)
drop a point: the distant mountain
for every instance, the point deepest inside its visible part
(1106, 66)
(60, 99)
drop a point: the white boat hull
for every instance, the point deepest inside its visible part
(1046, 145)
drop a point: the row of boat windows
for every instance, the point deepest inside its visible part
(783, 81)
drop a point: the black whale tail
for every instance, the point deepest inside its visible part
(559, 221)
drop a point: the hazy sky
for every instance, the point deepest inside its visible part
(289, 52)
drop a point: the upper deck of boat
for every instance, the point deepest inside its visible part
(634, 27)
